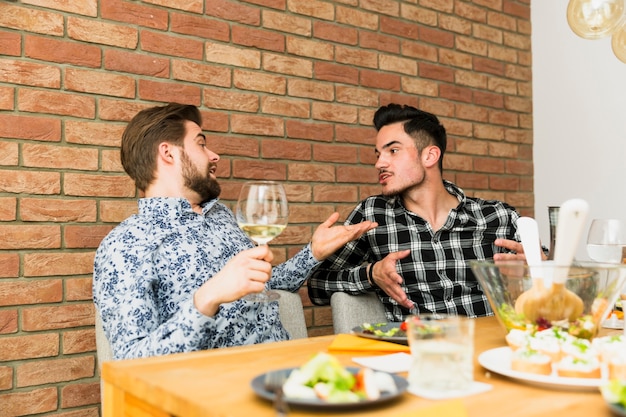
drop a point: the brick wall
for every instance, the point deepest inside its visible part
(287, 89)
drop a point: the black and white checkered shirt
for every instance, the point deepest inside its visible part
(437, 276)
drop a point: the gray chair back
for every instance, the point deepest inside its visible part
(290, 310)
(350, 311)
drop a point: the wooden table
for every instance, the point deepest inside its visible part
(217, 383)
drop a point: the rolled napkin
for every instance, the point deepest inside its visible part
(352, 343)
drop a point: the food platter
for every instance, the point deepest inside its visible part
(498, 360)
(258, 386)
(384, 328)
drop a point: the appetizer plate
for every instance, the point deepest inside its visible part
(498, 360)
(258, 386)
(384, 327)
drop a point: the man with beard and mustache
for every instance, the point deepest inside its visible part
(416, 259)
(171, 278)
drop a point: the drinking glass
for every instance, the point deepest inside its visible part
(605, 240)
(442, 351)
(262, 213)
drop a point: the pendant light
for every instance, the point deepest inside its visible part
(594, 19)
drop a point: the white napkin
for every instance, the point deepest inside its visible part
(475, 388)
(393, 363)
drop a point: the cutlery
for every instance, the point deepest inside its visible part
(274, 383)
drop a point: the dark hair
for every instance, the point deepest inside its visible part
(149, 128)
(423, 127)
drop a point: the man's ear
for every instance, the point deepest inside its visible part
(430, 156)
(166, 152)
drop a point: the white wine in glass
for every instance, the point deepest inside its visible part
(605, 241)
(262, 212)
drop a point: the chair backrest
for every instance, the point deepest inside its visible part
(350, 311)
(290, 310)
(292, 314)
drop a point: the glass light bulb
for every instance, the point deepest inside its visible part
(594, 19)
(618, 42)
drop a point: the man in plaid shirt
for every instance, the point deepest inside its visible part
(428, 229)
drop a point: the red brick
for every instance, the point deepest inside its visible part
(58, 370)
(373, 79)
(313, 8)
(248, 80)
(29, 73)
(201, 73)
(135, 63)
(84, 236)
(52, 102)
(310, 48)
(135, 14)
(30, 20)
(30, 127)
(8, 322)
(29, 237)
(93, 133)
(25, 403)
(257, 125)
(199, 26)
(278, 149)
(6, 378)
(16, 348)
(169, 92)
(311, 172)
(77, 395)
(98, 185)
(62, 51)
(60, 263)
(231, 100)
(59, 210)
(60, 157)
(259, 169)
(58, 317)
(30, 182)
(9, 154)
(310, 89)
(105, 33)
(337, 153)
(355, 134)
(286, 23)
(193, 6)
(171, 45)
(10, 43)
(331, 32)
(334, 112)
(356, 56)
(357, 174)
(336, 73)
(97, 82)
(79, 341)
(119, 110)
(116, 211)
(233, 11)
(258, 38)
(307, 130)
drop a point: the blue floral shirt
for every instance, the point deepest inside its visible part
(148, 268)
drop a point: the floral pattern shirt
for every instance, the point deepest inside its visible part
(147, 269)
(437, 275)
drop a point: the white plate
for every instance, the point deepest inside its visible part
(258, 386)
(498, 360)
(360, 331)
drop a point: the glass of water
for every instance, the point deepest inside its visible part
(442, 350)
(605, 240)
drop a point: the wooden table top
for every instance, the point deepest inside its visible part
(217, 383)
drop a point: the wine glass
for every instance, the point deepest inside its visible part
(605, 240)
(262, 213)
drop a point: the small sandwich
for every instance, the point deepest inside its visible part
(580, 348)
(532, 361)
(517, 338)
(609, 346)
(572, 367)
(617, 366)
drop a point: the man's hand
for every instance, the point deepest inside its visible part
(515, 247)
(247, 272)
(385, 276)
(327, 238)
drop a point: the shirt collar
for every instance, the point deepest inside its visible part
(171, 207)
(450, 187)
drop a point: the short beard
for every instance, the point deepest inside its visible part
(206, 187)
